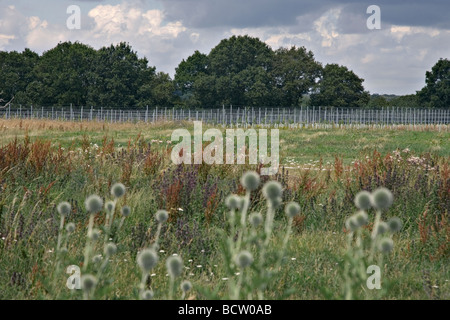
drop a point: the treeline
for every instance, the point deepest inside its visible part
(239, 71)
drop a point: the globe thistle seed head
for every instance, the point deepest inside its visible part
(88, 282)
(275, 203)
(110, 249)
(244, 259)
(292, 209)
(361, 218)
(233, 202)
(386, 245)
(272, 190)
(250, 180)
(118, 190)
(97, 258)
(147, 260)
(147, 295)
(70, 227)
(174, 266)
(94, 235)
(256, 219)
(126, 211)
(64, 208)
(186, 286)
(382, 228)
(382, 198)
(395, 224)
(363, 200)
(110, 206)
(94, 204)
(162, 216)
(63, 251)
(352, 224)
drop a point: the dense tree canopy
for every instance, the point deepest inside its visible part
(239, 71)
(436, 93)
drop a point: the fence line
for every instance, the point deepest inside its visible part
(237, 116)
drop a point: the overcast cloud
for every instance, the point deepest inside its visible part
(414, 34)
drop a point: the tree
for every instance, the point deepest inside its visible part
(339, 87)
(295, 74)
(406, 101)
(436, 93)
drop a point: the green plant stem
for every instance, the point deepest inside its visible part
(87, 250)
(243, 221)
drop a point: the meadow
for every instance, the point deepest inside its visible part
(43, 163)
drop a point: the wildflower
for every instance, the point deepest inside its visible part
(186, 286)
(256, 219)
(94, 234)
(395, 224)
(363, 200)
(351, 224)
(272, 190)
(110, 249)
(162, 216)
(174, 266)
(126, 211)
(386, 245)
(250, 180)
(147, 295)
(118, 190)
(97, 258)
(244, 259)
(361, 218)
(147, 260)
(88, 282)
(110, 206)
(233, 202)
(94, 204)
(382, 227)
(382, 198)
(64, 208)
(292, 209)
(70, 227)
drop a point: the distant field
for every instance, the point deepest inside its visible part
(326, 169)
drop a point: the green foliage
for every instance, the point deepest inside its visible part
(436, 93)
(339, 87)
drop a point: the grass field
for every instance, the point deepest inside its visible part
(43, 163)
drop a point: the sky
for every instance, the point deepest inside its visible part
(413, 34)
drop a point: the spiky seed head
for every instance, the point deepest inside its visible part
(186, 286)
(244, 259)
(110, 249)
(88, 282)
(94, 235)
(351, 223)
(256, 219)
(382, 227)
(110, 205)
(118, 190)
(395, 224)
(363, 200)
(162, 216)
(64, 208)
(97, 258)
(386, 245)
(147, 295)
(63, 251)
(174, 266)
(70, 227)
(233, 202)
(382, 198)
(276, 202)
(94, 204)
(272, 190)
(147, 260)
(292, 209)
(250, 180)
(126, 211)
(361, 218)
